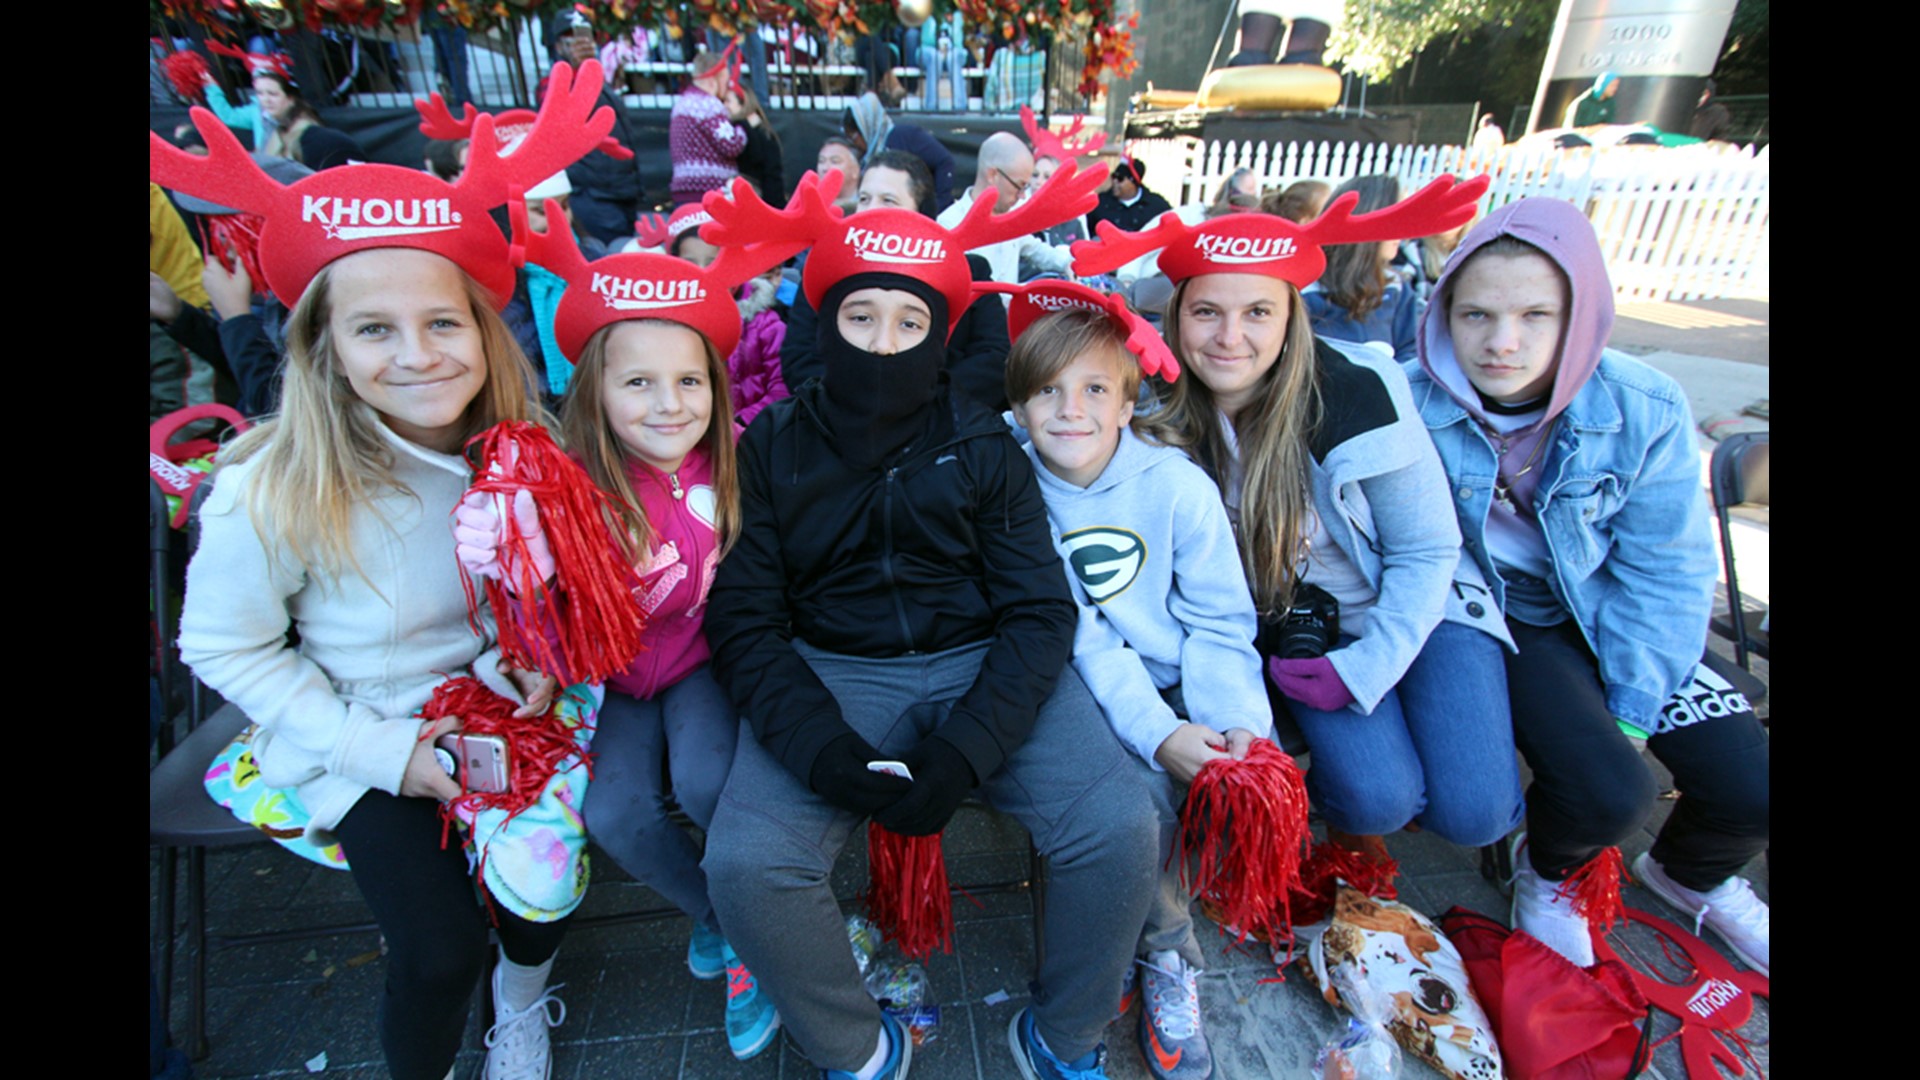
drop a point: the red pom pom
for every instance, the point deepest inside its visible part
(1242, 832)
(596, 620)
(1328, 866)
(1595, 889)
(907, 893)
(187, 71)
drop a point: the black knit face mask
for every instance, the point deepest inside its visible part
(876, 403)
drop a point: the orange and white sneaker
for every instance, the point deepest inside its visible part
(1170, 1036)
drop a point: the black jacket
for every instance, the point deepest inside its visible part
(976, 352)
(1136, 218)
(603, 176)
(945, 545)
(760, 162)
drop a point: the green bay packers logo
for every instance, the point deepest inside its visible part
(1105, 560)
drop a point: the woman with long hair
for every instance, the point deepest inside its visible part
(1360, 298)
(1371, 626)
(331, 520)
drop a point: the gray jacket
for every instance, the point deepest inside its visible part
(1383, 497)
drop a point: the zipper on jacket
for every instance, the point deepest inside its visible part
(886, 561)
(678, 492)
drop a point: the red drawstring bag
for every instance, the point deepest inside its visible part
(1554, 1021)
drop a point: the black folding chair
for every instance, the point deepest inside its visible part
(1740, 486)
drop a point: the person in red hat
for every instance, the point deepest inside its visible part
(648, 414)
(894, 626)
(331, 520)
(1165, 638)
(1384, 644)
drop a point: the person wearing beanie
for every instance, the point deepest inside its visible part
(895, 598)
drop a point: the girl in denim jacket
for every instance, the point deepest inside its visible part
(1576, 479)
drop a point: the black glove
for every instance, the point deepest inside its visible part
(941, 780)
(840, 776)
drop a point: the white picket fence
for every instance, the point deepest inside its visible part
(1681, 223)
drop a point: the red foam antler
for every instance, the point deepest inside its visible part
(747, 219)
(278, 62)
(1067, 194)
(227, 174)
(568, 127)
(651, 230)
(1439, 206)
(556, 249)
(1048, 144)
(1116, 247)
(438, 122)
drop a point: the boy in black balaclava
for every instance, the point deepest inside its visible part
(895, 597)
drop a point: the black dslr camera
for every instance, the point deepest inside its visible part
(1308, 627)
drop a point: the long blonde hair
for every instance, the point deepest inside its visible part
(1274, 433)
(585, 429)
(323, 455)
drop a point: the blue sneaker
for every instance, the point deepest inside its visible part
(1170, 1035)
(752, 1021)
(1036, 1062)
(899, 1053)
(706, 952)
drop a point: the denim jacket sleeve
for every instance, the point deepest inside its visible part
(1645, 606)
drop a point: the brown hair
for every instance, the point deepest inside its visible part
(1055, 341)
(1301, 202)
(585, 431)
(1356, 275)
(1273, 433)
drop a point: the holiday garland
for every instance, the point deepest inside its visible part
(1108, 40)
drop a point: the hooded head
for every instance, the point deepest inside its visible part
(1604, 84)
(1521, 315)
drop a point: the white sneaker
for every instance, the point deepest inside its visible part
(517, 1046)
(1542, 908)
(1730, 909)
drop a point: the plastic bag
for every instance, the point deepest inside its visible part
(1366, 1050)
(865, 939)
(904, 991)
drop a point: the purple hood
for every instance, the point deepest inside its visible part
(1564, 235)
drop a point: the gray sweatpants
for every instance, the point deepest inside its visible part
(1080, 793)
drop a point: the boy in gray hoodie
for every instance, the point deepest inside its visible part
(1163, 602)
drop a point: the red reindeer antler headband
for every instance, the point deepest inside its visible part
(337, 212)
(642, 285)
(730, 62)
(890, 239)
(1037, 299)
(1048, 144)
(278, 63)
(511, 125)
(1272, 246)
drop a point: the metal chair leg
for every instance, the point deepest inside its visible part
(197, 1047)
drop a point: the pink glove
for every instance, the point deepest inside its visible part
(478, 535)
(1312, 683)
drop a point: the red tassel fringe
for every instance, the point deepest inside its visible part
(231, 237)
(597, 621)
(1328, 866)
(907, 893)
(1595, 889)
(1242, 832)
(536, 746)
(187, 71)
